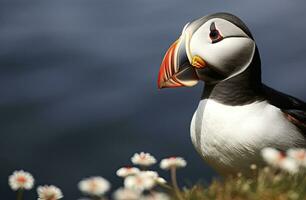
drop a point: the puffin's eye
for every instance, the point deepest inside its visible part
(215, 36)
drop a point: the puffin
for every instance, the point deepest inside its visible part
(237, 115)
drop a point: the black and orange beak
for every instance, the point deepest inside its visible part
(176, 69)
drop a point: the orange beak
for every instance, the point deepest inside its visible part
(176, 70)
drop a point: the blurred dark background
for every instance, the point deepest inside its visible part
(78, 82)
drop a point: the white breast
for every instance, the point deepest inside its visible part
(230, 137)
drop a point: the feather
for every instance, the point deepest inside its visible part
(293, 108)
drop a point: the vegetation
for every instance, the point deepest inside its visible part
(267, 184)
(284, 178)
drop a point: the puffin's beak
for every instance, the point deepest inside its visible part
(175, 69)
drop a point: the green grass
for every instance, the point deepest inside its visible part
(267, 184)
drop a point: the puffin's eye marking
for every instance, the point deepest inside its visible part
(214, 34)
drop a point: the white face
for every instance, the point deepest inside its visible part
(230, 54)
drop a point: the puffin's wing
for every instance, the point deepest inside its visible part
(293, 108)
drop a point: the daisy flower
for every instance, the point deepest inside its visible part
(143, 159)
(149, 173)
(94, 186)
(278, 159)
(21, 180)
(176, 162)
(126, 194)
(49, 192)
(172, 164)
(289, 165)
(154, 175)
(141, 181)
(272, 156)
(299, 155)
(127, 171)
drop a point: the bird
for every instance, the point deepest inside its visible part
(237, 115)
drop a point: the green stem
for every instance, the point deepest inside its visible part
(19, 194)
(165, 186)
(174, 183)
(96, 198)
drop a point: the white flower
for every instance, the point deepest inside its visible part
(94, 186)
(299, 155)
(155, 196)
(149, 173)
(126, 194)
(21, 180)
(49, 192)
(175, 162)
(161, 180)
(289, 165)
(279, 160)
(272, 156)
(142, 181)
(154, 175)
(127, 171)
(143, 159)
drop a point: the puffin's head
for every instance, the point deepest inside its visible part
(212, 49)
